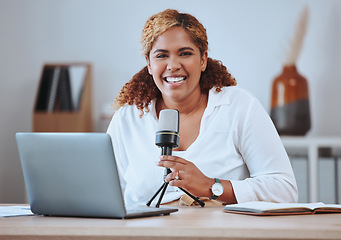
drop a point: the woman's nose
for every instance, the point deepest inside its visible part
(173, 64)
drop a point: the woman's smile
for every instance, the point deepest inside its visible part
(172, 80)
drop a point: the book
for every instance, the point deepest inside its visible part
(44, 89)
(53, 90)
(270, 208)
(16, 210)
(64, 99)
(77, 78)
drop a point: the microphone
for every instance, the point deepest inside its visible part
(167, 135)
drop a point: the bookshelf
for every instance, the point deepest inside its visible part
(64, 100)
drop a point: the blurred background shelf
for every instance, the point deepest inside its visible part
(316, 165)
(64, 99)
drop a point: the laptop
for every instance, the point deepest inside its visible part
(75, 174)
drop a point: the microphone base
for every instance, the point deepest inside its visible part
(163, 189)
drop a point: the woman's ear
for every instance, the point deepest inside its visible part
(204, 61)
(148, 64)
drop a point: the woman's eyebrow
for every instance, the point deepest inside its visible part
(185, 48)
(180, 50)
(160, 50)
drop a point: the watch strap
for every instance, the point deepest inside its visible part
(213, 197)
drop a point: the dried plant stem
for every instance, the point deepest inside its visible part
(297, 42)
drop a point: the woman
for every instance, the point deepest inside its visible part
(227, 140)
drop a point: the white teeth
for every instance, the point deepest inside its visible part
(175, 79)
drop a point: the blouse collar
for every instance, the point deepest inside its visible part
(215, 99)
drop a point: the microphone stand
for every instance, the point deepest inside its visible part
(166, 150)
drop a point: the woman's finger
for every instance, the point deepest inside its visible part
(175, 175)
(172, 162)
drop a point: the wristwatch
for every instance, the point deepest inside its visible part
(217, 189)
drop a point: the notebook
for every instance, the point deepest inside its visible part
(75, 174)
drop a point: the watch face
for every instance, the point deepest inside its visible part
(217, 189)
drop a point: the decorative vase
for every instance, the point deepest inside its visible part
(290, 111)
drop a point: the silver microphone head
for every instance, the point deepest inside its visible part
(167, 135)
(169, 120)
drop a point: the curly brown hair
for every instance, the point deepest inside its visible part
(161, 22)
(141, 89)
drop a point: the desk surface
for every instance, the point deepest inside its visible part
(188, 223)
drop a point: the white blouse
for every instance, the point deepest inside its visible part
(237, 142)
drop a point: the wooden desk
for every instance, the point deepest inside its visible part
(188, 223)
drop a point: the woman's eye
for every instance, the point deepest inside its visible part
(186, 54)
(161, 56)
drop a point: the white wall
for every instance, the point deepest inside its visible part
(250, 37)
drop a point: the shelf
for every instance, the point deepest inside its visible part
(311, 145)
(64, 99)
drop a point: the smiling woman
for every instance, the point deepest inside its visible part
(175, 64)
(229, 150)
(141, 90)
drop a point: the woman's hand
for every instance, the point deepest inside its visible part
(186, 175)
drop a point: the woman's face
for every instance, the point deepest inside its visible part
(176, 64)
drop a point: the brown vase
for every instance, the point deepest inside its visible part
(290, 110)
